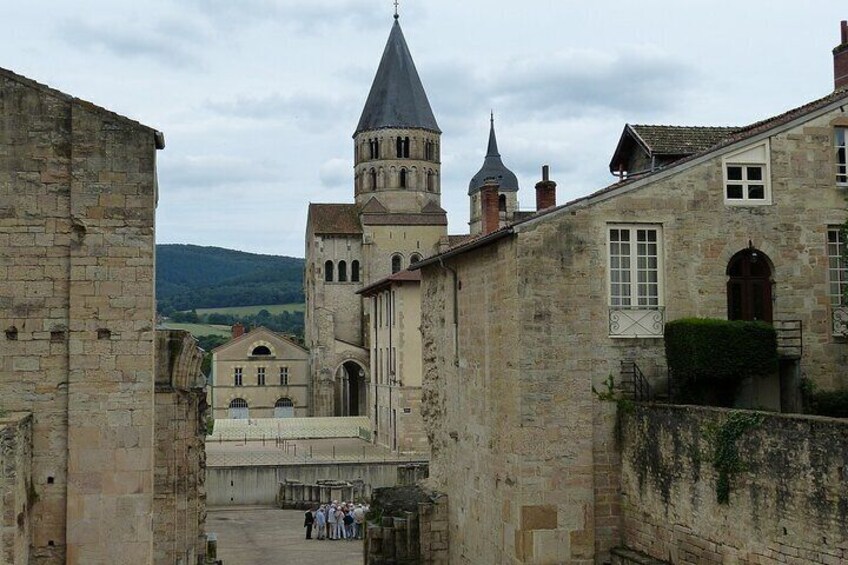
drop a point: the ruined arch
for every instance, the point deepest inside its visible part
(351, 389)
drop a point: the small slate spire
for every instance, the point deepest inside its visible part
(493, 167)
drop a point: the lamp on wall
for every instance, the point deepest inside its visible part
(753, 251)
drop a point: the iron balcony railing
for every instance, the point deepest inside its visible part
(636, 322)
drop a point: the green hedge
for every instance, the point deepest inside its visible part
(826, 403)
(708, 358)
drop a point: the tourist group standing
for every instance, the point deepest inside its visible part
(336, 521)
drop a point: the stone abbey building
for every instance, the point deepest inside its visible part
(396, 219)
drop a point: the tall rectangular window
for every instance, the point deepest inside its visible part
(284, 376)
(634, 267)
(837, 267)
(237, 376)
(260, 376)
(841, 136)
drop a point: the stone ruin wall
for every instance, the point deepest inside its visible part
(77, 202)
(179, 504)
(787, 502)
(16, 498)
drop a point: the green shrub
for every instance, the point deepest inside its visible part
(833, 403)
(708, 358)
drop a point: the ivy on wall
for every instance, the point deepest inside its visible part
(726, 459)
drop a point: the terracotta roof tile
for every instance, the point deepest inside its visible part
(681, 140)
(340, 219)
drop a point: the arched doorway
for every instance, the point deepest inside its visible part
(749, 286)
(351, 390)
(284, 408)
(239, 409)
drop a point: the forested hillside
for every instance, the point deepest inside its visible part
(189, 277)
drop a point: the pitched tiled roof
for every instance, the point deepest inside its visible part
(400, 276)
(680, 140)
(340, 219)
(741, 134)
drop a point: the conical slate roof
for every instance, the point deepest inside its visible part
(493, 168)
(397, 98)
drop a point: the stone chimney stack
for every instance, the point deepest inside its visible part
(545, 191)
(238, 330)
(840, 60)
(489, 201)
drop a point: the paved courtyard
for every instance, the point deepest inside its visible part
(271, 536)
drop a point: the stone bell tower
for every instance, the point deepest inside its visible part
(397, 141)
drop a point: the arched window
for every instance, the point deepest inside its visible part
(373, 174)
(414, 258)
(403, 178)
(354, 271)
(502, 203)
(239, 409)
(430, 184)
(328, 271)
(284, 408)
(397, 261)
(260, 350)
(402, 147)
(342, 271)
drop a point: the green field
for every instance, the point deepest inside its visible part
(253, 310)
(200, 329)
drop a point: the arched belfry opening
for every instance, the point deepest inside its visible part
(351, 390)
(749, 282)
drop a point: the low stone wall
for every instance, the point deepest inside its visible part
(259, 485)
(783, 479)
(15, 487)
(411, 527)
(299, 496)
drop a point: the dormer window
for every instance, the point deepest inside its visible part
(260, 350)
(747, 179)
(841, 135)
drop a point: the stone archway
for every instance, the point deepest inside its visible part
(351, 390)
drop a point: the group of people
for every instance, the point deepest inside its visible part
(336, 521)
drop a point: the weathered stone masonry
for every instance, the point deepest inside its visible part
(77, 201)
(16, 496)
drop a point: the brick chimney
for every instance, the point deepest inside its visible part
(238, 330)
(491, 212)
(840, 60)
(545, 191)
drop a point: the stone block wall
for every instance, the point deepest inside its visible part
(787, 497)
(179, 505)
(16, 498)
(77, 202)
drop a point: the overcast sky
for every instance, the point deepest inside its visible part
(258, 99)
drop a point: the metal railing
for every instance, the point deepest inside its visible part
(634, 382)
(636, 322)
(303, 456)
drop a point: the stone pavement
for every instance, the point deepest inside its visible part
(271, 536)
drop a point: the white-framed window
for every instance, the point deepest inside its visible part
(284, 376)
(237, 376)
(747, 178)
(635, 271)
(841, 138)
(260, 376)
(837, 267)
(745, 182)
